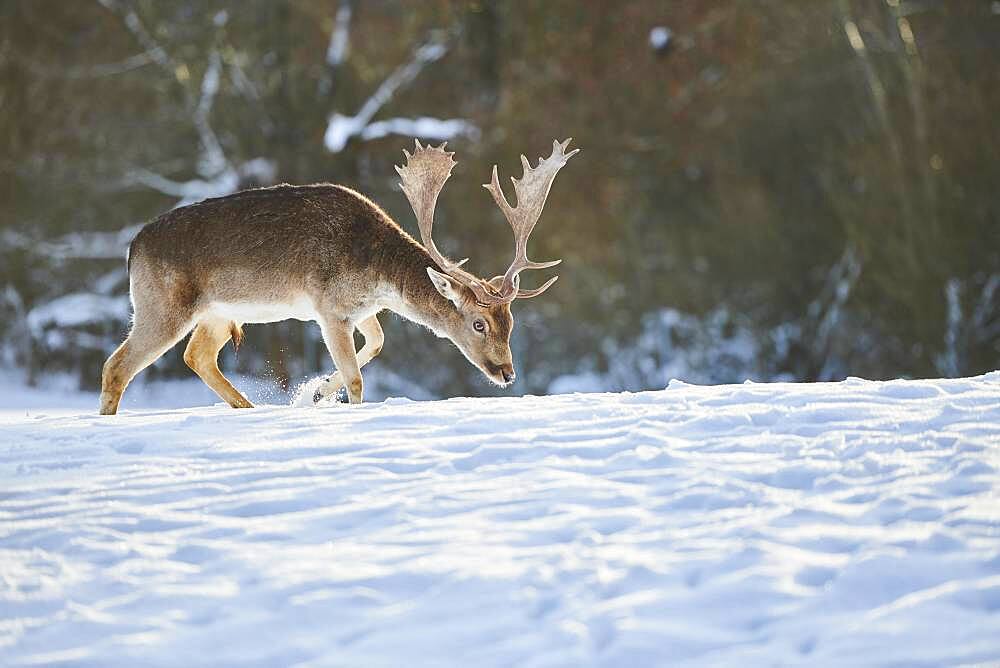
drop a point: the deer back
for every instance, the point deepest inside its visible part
(269, 243)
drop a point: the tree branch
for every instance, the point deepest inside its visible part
(341, 129)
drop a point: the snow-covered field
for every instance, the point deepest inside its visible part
(853, 523)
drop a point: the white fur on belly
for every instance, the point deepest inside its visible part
(251, 312)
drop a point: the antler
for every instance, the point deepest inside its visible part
(531, 191)
(424, 175)
(422, 178)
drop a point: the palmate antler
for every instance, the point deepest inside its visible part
(424, 175)
(422, 178)
(531, 191)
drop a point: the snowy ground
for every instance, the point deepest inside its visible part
(853, 523)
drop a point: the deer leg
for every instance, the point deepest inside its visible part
(149, 339)
(202, 355)
(339, 338)
(374, 339)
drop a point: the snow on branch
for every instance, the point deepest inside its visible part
(340, 128)
(153, 49)
(336, 52)
(87, 71)
(986, 309)
(961, 331)
(76, 245)
(212, 160)
(828, 308)
(188, 192)
(424, 127)
(260, 170)
(219, 176)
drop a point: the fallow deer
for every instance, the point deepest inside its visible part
(326, 253)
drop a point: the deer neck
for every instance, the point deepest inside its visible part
(415, 297)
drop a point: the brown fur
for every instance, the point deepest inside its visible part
(274, 245)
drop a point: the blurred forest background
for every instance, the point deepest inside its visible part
(768, 189)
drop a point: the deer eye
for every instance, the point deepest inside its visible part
(479, 326)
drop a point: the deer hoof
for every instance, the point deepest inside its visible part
(339, 397)
(317, 393)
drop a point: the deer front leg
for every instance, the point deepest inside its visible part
(339, 338)
(374, 339)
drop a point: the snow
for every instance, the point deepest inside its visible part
(659, 37)
(851, 523)
(336, 52)
(340, 129)
(212, 159)
(423, 127)
(76, 309)
(76, 245)
(192, 190)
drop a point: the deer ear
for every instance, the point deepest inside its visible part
(446, 285)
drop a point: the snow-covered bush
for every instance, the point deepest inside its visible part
(76, 331)
(670, 344)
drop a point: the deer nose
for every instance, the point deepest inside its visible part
(508, 374)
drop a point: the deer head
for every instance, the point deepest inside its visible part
(483, 322)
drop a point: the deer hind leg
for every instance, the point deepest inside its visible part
(202, 355)
(151, 336)
(374, 339)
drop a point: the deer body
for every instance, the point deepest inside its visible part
(276, 253)
(320, 252)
